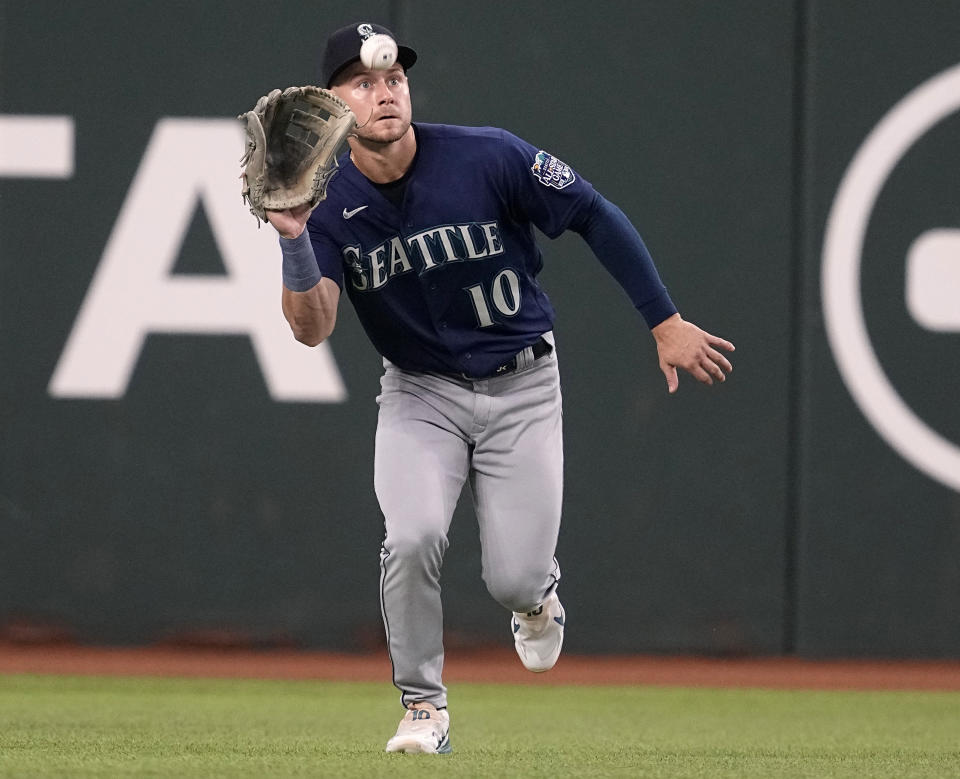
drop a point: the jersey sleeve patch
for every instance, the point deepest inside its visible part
(552, 172)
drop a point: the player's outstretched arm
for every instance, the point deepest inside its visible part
(681, 344)
(312, 315)
(309, 301)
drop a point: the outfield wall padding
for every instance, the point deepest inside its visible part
(170, 475)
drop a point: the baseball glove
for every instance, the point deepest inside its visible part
(292, 142)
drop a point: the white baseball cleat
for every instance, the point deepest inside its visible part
(424, 729)
(538, 635)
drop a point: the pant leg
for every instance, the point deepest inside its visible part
(420, 466)
(517, 483)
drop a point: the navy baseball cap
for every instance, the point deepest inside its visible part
(343, 49)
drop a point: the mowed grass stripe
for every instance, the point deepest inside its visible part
(104, 726)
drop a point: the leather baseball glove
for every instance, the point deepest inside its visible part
(292, 142)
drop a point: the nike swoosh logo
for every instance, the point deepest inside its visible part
(354, 212)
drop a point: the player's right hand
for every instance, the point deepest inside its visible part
(291, 221)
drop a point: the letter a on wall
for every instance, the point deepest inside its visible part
(135, 292)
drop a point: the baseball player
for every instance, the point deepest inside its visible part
(429, 229)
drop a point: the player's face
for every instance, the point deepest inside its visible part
(381, 101)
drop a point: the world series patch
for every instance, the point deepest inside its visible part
(551, 171)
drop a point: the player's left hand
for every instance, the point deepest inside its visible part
(681, 344)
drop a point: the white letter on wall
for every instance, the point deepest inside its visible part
(134, 291)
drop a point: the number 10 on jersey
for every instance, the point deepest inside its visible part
(504, 295)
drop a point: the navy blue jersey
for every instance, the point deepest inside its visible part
(447, 281)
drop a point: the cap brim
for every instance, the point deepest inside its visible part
(405, 56)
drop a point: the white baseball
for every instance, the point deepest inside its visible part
(378, 52)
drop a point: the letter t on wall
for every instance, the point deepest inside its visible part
(36, 146)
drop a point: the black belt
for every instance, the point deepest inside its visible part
(540, 348)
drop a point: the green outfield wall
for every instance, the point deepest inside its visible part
(174, 467)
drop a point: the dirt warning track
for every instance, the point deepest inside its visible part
(485, 666)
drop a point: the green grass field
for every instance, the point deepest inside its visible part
(93, 726)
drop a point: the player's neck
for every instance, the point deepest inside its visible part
(383, 163)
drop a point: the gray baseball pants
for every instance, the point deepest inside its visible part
(433, 433)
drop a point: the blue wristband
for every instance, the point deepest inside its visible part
(300, 270)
